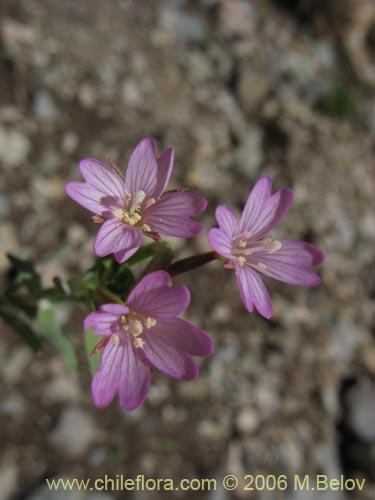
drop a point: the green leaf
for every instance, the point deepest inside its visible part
(48, 326)
(91, 340)
(21, 324)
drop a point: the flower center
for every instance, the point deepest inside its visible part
(131, 214)
(134, 324)
(244, 249)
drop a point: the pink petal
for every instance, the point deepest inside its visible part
(289, 262)
(145, 172)
(221, 242)
(162, 303)
(253, 291)
(273, 212)
(102, 178)
(135, 376)
(227, 219)
(171, 225)
(181, 204)
(105, 321)
(167, 359)
(116, 237)
(183, 337)
(258, 197)
(165, 164)
(152, 281)
(106, 380)
(92, 199)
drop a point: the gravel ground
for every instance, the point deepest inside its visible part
(240, 89)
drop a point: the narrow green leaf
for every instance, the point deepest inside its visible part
(48, 326)
(21, 324)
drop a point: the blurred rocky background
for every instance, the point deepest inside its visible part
(240, 88)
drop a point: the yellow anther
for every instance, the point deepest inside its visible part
(119, 213)
(247, 234)
(262, 266)
(146, 228)
(242, 244)
(138, 343)
(150, 322)
(150, 202)
(128, 197)
(115, 339)
(241, 260)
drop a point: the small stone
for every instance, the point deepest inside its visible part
(13, 406)
(361, 411)
(8, 479)
(14, 147)
(247, 421)
(69, 142)
(87, 95)
(14, 365)
(4, 206)
(44, 107)
(195, 390)
(252, 88)
(75, 432)
(61, 389)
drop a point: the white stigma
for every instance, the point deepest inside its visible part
(271, 246)
(135, 327)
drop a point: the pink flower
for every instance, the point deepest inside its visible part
(142, 333)
(251, 253)
(136, 205)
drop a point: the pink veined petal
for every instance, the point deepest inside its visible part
(221, 242)
(167, 359)
(183, 337)
(172, 225)
(289, 262)
(227, 219)
(273, 212)
(116, 237)
(165, 165)
(105, 321)
(162, 303)
(178, 204)
(93, 200)
(145, 172)
(253, 291)
(103, 178)
(134, 380)
(152, 281)
(105, 382)
(258, 196)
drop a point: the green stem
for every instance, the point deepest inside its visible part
(110, 295)
(190, 263)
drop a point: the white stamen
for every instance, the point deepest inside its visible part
(242, 244)
(146, 228)
(150, 322)
(262, 266)
(247, 234)
(115, 339)
(150, 202)
(138, 343)
(241, 260)
(119, 213)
